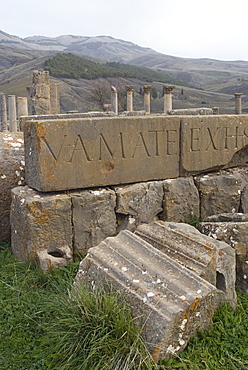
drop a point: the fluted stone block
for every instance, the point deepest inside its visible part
(212, 260)
(169, 301)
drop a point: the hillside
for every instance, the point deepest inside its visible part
(218, 80)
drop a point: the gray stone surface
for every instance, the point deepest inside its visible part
(210, 142)
(73, 154)
(181, 200)
(169, 301)
(12, 168)
(93, 217)
(41, 227)
(212, 260)
(232, 229)
(219, 193)
(142, 201)
(191, 111)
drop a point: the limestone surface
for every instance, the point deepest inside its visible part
(210, 142)
(232, 229)
(219, 193)
(12, 169)
(93, 217)
(181, 200)
(169, 301)
(142, 201)
(41, 227)
(82, 153)
(212, 260)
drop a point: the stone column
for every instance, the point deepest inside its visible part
(54, 98)
(114, 100)
(129, 98)
(22, 106)
(238, 103)
(168, 98)
(147, 98)
(12, 113)
(3, 112)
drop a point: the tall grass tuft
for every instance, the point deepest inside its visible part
(95, 330)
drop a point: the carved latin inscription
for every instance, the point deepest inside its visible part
(211, 141)
(82, 153)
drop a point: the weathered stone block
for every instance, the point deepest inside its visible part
(72, 154)
(219, 193)
(143, 201)
(210, 142)
(41, 227)
(232, 229)
(181, 200)
(212, 260)
(171, 302)
(93, 217)
(12, 167)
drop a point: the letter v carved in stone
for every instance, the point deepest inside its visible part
(51, 151)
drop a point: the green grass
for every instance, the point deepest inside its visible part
(44, 326)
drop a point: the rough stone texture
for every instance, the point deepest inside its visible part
(210, 142)
(12, 167)
(54, 99)
(65, 116)
(232, 229)
(181, 200)
(219, 193)
(191, 111)
(171, 302)
(40, 93)
(83, 153)
(143, 201)
(212, 260)
(41, 227)
(93, 217)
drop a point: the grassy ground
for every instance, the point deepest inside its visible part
(41, 328)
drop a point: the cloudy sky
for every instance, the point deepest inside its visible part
(186, 28)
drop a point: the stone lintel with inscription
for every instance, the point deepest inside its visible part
(90, 152)
(209, 143)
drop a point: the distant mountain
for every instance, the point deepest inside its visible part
(200, 72)
(217, 80)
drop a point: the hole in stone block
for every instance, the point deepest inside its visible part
(57, 254)
(220, 281)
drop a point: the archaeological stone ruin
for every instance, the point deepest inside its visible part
(120, 190)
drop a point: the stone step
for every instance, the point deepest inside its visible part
(169, 300)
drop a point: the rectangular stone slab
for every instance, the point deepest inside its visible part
(210, 142)
(81, 153)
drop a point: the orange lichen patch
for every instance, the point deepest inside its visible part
(156, 352)
(40, 215)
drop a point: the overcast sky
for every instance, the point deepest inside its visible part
(185, 28)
